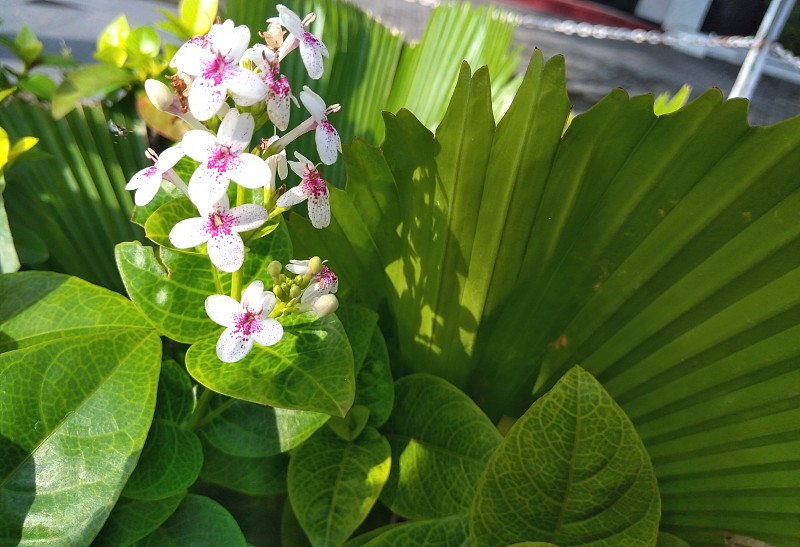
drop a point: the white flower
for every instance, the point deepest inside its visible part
(147, 181)
(311, 48)
(219, 226)
(279, 92)
(223, 159)
(326, 137)
(325, 282)
(278, 166)
(213, 60)
(245, 323)
(312, 188)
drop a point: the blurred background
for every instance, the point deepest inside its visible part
(594, 66)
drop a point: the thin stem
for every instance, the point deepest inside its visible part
(200, 410)
(217, 280)
(236, 277)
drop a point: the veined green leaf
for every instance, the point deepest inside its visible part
(198, 521)
(374, 384)
(571, 471)
(176, 398)
(333, 483)
(131, 520)
(452, 530)
(250, 430)
(78, 376)
(262, 476)
(311, 368)
(440, 442)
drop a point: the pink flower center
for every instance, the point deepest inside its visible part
(312, 184)
(215, 70)
(247, 323)
(219, 158)
(219, 223)
(326, 278)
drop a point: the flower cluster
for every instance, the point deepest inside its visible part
(223, 82)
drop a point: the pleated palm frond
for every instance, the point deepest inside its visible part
(661, 253)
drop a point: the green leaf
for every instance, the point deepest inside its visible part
(261, 476)
(87, 81)
(176, 399)
(170, 463)
(161, 222)
(32, 250)
(143, 43)
(73, 196)
(41, 85)
(359, 323)
(131, 520)
(200, 522)
(111, 44)
(9, 260)
(655, 251)
(172, 293)
(452, 530)
(333, 484)
(249, 430)
(197, 16)
(572, 471)
(669, 540)
(27, 46)
(374, 383)
(351, 426)
(78, 370)
(311, 368)
(440, 442)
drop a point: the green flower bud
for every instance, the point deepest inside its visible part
(278, 292)
(295, 291)
(274, 269)
(315, 265)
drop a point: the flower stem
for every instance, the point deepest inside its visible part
(217, 280)
(200, 410)
(236, 277)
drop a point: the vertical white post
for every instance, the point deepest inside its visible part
(769, 31)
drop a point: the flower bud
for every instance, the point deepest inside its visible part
(295, 291)
(315, 265)
(278, 292)
(159, 94)
(325, 305)
(274, 269)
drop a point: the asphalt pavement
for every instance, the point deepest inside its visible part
(594, 67)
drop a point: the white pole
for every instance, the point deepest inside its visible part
(770, 30)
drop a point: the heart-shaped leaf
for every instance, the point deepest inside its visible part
(441, 442)
(333, 483)
(572, 471)
(249, 430)
(170, 463)
(359, 323)
(252, 476)
(78, 376)
(311, 368)
(131, 520)
(175, 400)
(198, 521)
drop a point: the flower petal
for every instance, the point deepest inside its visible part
(328, 142)
(192, 56)
(268, 301)
(169, 157)
(198, 144)
(233, 346)
(143, 177)
(207, 186)
(250, 171)
(297, 267)
(226, 251)
(279, 108)
(189, 232)
(270, 332)
(236, 130)
(311, 51)
(231, 42)
(290, 20)
(293, 196)
(247, 88)
(248, 217)
(319, 210)
(206, 97)
(253, 294)
(313, 103)
(222, 309)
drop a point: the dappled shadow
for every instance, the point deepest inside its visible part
(18, 490)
